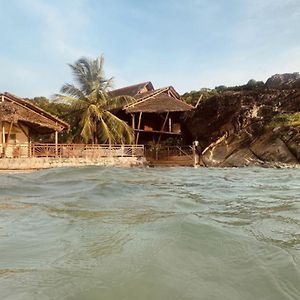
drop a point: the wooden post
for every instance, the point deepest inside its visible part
(200, 98)
(29, 147)
(163, 126)
(195, 154)
(2, 137)
(122, 149)
(56, 143)
(3, 133)
(170, 124)
(8, 137)
(133, 121)
(139, 125)
(133, 125)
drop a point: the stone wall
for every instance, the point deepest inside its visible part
(46, 163)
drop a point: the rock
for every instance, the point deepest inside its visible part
(234, 128)
(271, 148)
(241, 158)
(279, 81)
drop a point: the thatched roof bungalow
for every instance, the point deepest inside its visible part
(20, 120)
(155, 115)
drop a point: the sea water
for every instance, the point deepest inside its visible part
(150, 233)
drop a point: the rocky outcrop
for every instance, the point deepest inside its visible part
(237, 128)
(283, 81)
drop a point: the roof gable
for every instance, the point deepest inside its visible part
(14, 109)
(133, 90)
(161, 100)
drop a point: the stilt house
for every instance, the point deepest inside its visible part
(155, 115)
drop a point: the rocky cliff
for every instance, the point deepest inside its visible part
(249, 127)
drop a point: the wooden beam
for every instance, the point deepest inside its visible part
(163, 126)
(1, 126)
(143, 99)
(23, 130)
(140, 119)
(133, 121)
(139, 126)
(200, 98)
(3, 133)
(56, 143)
(165, 121)
(2, 137)
(8, 137)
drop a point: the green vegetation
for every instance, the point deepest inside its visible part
(292, 119)
(91, 104)
(62, 111)
(194, 96)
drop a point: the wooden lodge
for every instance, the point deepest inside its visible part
(155, 115)
(20, 121)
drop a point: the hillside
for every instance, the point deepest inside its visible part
(255, 124)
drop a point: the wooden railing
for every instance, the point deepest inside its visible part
(12, 150)
(167, 152)
(74, 150)
(86, 151)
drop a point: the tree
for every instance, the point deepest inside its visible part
(60, 110)
(194, 96)
(221, 88)
(251, 82)
(91, 102)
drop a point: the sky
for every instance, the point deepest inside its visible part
(189, 44)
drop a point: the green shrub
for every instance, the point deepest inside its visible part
(292, 119)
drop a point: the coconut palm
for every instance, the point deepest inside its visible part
(92, 103)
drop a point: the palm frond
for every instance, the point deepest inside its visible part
(122, 132)
(71, 90)
(88, 126)
(118, 102)
(91, 101)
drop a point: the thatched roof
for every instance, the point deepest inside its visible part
(158, 101)
(133, 90)
(15, 109)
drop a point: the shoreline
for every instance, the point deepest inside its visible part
(137, 163)
(35, 164)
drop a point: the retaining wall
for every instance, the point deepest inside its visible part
(46, 163)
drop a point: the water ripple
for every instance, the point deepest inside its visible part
(157, 233)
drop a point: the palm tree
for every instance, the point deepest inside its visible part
(92, 102)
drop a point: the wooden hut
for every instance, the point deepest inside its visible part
(155, 115)
(20, 120)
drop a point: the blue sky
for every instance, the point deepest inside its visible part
(188, 44)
